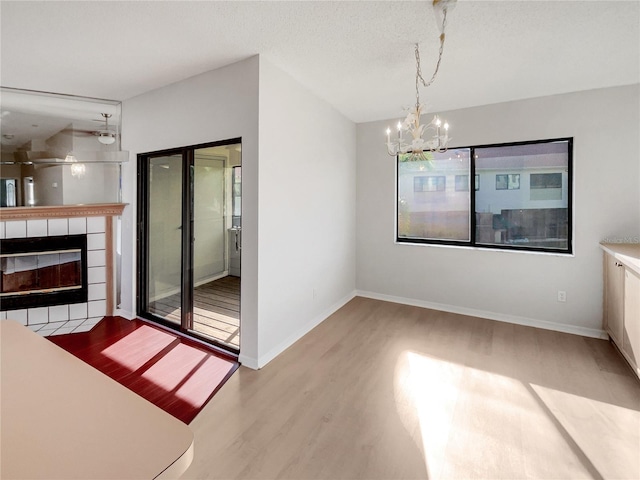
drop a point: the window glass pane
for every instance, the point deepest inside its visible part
(431, 203)
(524, 200)
(462, 183)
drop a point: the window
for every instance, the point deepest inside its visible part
(524, 203)
(429, 184)
(508, 182)
(545, 180)
(423, 214)
(545, 186)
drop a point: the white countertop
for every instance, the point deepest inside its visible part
(626, 253)
(62, 418)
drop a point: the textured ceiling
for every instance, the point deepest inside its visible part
(357, 55)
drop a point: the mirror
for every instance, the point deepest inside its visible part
(59, 149)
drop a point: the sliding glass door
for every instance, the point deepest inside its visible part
(164, 236)
(189, 240)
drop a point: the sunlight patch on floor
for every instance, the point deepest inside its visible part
(174, 367)
(427, 417)
(138, 347)
(584, 420)
(210, 371)
(476, 423)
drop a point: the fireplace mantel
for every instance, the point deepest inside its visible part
(62, 211)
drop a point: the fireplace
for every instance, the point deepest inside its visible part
(43, 271)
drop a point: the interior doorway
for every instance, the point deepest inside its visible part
(190, 240)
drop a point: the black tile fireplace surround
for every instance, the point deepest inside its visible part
(43, 271)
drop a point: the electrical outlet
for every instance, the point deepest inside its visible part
(562, 296)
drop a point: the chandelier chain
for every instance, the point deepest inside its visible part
(419, 77)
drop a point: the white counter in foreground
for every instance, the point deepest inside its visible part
(61, 418)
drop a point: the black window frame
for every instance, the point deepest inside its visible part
(472, 205)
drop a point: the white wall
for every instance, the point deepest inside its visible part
(307, 210)
(512, 286)
(304, 241)
(217, 105)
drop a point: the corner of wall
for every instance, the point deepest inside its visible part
(298, 334)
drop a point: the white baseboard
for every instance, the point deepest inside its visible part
(257, 364)
(248, 362)
(173, 291)
(124, 314)
(500, 317)
(212, 278)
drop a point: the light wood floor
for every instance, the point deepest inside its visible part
(387, 391)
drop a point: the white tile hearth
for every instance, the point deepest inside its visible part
(64, 329)
(2, 230)
(50, 327)
(87, 325)
(60, 328)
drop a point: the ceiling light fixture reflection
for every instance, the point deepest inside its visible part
(77, 169)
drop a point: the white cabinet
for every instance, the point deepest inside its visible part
(613, 297)
(621, 315)
(631, 332)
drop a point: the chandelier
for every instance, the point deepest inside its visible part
(410, 142)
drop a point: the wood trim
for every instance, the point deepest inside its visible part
(62, 211)
(109, 261)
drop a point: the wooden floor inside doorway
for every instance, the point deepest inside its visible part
(216, 310)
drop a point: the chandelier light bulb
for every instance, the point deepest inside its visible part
(446, 126)
(399, 126)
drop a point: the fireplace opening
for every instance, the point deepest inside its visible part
(43, 271)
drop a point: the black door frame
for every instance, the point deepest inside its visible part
(187, 238)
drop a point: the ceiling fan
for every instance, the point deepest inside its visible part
(106, 135)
